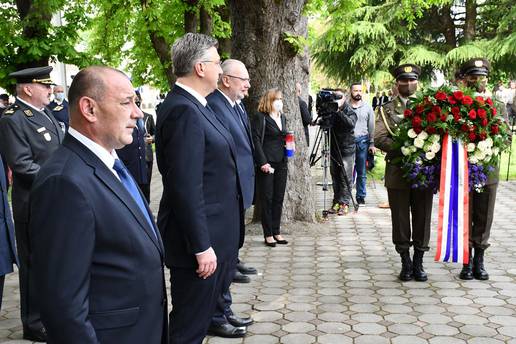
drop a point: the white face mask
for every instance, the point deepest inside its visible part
(59, 96)
(277, 105)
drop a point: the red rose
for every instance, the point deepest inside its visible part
(484, 122)
(489, 101)
(440, 95)
(467, 100)
(480, 100)
(431, 117)
(464, 128)
(407, 113)
(430, 130)
(472, 114)
(495, 129)
(482, 113)
(494, 111)
(420, 109)
(452, 100)
(482, 136)
(436, 109)
(456, 118)
(444, 117)
(458, 95)
(418, 130)
(472, 136)
(455, 110)
(416, 121)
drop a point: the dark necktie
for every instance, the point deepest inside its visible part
(131, 187)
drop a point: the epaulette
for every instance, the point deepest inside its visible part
(11, 109)
(58, 108)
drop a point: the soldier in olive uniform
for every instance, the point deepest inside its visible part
(481, 205)
(29, 134)
(404, 201)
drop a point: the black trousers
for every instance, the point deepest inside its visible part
(407, 205)
(2, 280)
(146, 187)
(193, 303)
(271, 189)
(481, 210)
(29, 308)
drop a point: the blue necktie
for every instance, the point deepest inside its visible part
(131, 187)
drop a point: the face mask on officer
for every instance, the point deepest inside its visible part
(59, 96)
(407, 87)
(277, 105)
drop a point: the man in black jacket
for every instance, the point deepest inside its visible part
(306, 116)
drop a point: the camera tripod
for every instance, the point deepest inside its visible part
(323, 138)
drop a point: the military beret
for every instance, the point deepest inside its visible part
(478, 66)
(406, 71)
(40, 75)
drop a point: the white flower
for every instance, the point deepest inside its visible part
(470, 147)
(423, 135)
(405, 151)
(429, 155)
(413, 149)
(419, 142)
(435, 138)
(496, 150)
(473, 160)
(480, 155)
(412, 134)
(427, 147)
(489, 142)
(481, 146)
(436, 147)
(418, 161)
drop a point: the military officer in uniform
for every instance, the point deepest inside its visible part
(59, 106)
(411, 209)
(29, 134)
(481, 205)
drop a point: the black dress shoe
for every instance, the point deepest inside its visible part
(281, 242)
(246, 270)
(240, 278)
(270, 244)
(227, 331)
(360, 200)
(239, 322)
(35, 335)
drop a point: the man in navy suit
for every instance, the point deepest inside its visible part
(59, 107)
(199, 210)
(232, 87)
(97, 254)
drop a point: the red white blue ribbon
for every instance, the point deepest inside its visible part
(453, 219)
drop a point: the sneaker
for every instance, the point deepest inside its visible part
(360, 200)
(344, 210)
(334, 209)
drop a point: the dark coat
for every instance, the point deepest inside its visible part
(27, 139)
(133, 157)
(150, 130)
(238, 126)
(196, 157)
(306, 116)
(98, 264)
(60, 112)
(342, 132)
(8, 255)
(269, 140)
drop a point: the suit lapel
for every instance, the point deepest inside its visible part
(108, 178)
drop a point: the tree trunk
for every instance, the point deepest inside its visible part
(224, 43)
(206, 21)
(470, 21)
(35, 16)
(259, 42)
(448, 27)
(190, 16)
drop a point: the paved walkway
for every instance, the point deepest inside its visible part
(338, 285)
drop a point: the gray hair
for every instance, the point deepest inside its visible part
(188, 50)
(229, 65)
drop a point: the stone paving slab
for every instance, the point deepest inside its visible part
(338, 285)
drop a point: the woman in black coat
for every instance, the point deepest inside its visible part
(269, 130)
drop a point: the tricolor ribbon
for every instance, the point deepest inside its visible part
(453, 221)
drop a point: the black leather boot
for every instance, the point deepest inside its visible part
(467, 269)
(479, 271)
(406, 267)
(417, 270)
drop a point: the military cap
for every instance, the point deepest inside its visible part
(406, 71)
(478, 66)
(40, 75)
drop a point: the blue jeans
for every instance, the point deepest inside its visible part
(362, 147)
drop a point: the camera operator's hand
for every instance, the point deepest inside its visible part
(372, 149)
(265, 168)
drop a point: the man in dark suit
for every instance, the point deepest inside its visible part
(8, 255)
(98, 256)
(411, 209)
(59, 107)
(29, 135)
(199, 211)
(306, 116)
(150, 132)
(233, 85)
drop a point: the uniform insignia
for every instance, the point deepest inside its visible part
(42, 129)
(47, 137)
(479, 63)
(407, 69)
(58, 108)
(11, 109)
(9, 112)
(28, 113)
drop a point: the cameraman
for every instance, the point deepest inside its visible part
(342, 154)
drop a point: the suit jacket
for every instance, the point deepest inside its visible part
(238, 126)
(196, 157)
(60, 112)
(133, 157)
(27, 139)
(98, 264)
(150, 130)
(8, 255)
(269, 140)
